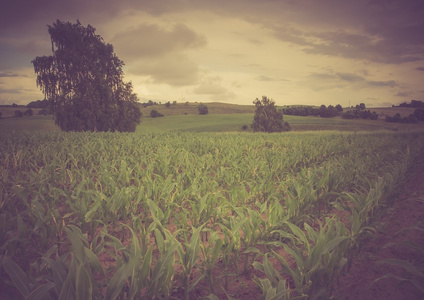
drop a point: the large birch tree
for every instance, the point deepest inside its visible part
(83, 81)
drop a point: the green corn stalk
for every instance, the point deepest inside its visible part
(84, 263)
(317, 254)
(188, 254)
(132, 274)
(17, 275)
(20, 280)
(359, 207)
(274, 286)
(231, 249)
(211, 251)
(251, 230)
(160, 282)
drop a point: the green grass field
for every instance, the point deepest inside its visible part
(42, 123)
(222, 117)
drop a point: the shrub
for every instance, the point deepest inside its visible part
(419, 114)
(155, 114)
(28, 112)
(203, 109)
(397, 118)
(39, 104)
(18, 114)
(43, 112)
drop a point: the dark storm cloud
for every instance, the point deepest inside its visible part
(212, 86)
(160, 52)
(380, 31)
(270, 79)
(165, 46)
(384, 31)
(9, 75)
(174, 70)
(403, 94)
(10, 91)
(343, 80)
(266, 78)
(376, 48)
(150, 40)
(24, 14)
(349, 77)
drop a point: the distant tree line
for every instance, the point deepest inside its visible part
(323, 111)
(151, 103)
(27, 113)
(357, 112)
(418, 114)
(397, 118)
(201, 108)
(360, 112)
(39, 104)
(413, 103)
(11, 105)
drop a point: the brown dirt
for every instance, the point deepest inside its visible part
(389, 243)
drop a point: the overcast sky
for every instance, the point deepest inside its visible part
(293, 51)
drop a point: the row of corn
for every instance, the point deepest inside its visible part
(156, 216)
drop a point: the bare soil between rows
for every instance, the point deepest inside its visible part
(392, 240)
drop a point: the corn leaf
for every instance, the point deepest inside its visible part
(84, 286)
(406, 265)
(17, 275)
(41, 292)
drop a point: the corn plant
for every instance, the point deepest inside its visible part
(21, 281)
(132, 273)
(243, 189)
(188, 254)
(211, 252)
(161, 277)
(231, 249)
(251, 235)
(413, 273)
(273, 286)
(67, 280)
(317, 255)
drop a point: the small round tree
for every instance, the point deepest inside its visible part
(419, 114)
(155, 114)
(29, 112)
(267, 118)
(203, 109)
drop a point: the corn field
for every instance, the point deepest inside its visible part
(186, 215)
